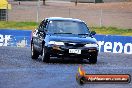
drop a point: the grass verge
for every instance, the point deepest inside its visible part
(112, 31)
(18, 25)
(33, 25)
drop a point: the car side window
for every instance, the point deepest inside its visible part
(43, 25)
(40, 28)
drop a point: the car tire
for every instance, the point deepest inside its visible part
(45, 55)
(93, 59)
(34, 54)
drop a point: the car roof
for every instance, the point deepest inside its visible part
(65, 19)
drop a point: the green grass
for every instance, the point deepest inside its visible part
(112, 31)
(33, 25)
(18, 25)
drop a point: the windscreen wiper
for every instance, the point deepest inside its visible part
(62, 33)
(83, 34)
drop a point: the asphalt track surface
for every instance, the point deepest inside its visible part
(18, 70)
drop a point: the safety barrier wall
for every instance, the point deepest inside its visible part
(107, 43)
(19, 38)
(114, 43)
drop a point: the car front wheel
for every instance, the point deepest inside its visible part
(34, 54)
(45, 55)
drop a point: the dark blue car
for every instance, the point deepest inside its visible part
(64, 37)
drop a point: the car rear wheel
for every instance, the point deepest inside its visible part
(34, 54)
(93, 58)
(45, 55)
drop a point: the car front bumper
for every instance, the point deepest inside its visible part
(62, 51)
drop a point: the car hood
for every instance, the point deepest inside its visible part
(72, 39)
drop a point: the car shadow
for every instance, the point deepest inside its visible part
(64, 61)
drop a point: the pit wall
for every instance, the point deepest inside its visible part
(107, 43)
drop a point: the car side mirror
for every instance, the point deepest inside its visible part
(93, 32)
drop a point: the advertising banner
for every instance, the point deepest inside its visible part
(107, 43)
(19, 38)
(115, 44)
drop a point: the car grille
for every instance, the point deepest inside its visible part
(74, 44)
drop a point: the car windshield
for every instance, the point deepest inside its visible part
(67, 27)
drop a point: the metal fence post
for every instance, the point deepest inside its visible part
(38, 5)
(101, 13)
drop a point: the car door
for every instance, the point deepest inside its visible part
(35, 36)
(41, 34)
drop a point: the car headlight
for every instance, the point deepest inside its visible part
(56, 43)
(91, 45)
